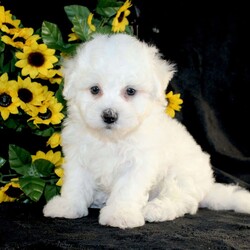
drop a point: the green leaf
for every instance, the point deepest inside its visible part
(79, 11)
(81, 28)
(2, 55)
(52, 36)
(11, 123)
(45, 133)
(13, 62)
(108, 8)
(78, 15)
(69, 49)
(129, 30)
(19, 159)
(33, 187)
(44, 168)
(2, 161)
(1, 62)
(2, 45)
(50, 191)
(59, 95)
(40, 168)
(104, 29)
(32, 171)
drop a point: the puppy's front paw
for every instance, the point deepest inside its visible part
(121, 217)
(62, 207)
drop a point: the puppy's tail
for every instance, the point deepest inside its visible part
(227, 197)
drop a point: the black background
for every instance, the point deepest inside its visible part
(209, 42)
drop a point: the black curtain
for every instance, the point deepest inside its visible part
(209, 43)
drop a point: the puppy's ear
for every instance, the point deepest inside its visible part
(69, 65)
(163, 72)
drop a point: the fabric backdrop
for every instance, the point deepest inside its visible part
(209, 43)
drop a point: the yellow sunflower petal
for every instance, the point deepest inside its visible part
(5, 114)
(170, 112)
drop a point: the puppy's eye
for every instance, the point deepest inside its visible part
(95, 90)
(130, 91)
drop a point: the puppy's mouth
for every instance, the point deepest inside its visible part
(109, 127)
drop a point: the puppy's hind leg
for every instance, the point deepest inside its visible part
(172, 202)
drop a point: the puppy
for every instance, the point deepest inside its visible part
(123, 154)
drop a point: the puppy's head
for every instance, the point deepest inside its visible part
(114, 81)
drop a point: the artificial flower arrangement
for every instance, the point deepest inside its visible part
(31, 100)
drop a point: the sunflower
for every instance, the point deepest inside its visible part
(30, 94)
(54, 76)
(20, 37)
(52, 114)
(44, 105)
(73, 36)
(55, 140)
(9, 101)
(35, 59)
(120, 21)
(54, 157)
(59, 172)
(174, 103)
(89, 21)
(10, 192)
(57, 76)
(6, 20)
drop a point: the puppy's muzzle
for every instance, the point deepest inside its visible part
(109, 116)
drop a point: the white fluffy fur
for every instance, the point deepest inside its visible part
(143, 167)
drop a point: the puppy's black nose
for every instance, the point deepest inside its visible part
(109, 116)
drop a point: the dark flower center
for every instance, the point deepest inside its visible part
(25, 95)
(19, 39)
(5, 100)
(46, 115)
(36, 59)
(9, 25)
(120, 18)
(13, 192)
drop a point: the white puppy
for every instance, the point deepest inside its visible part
(123, 154)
